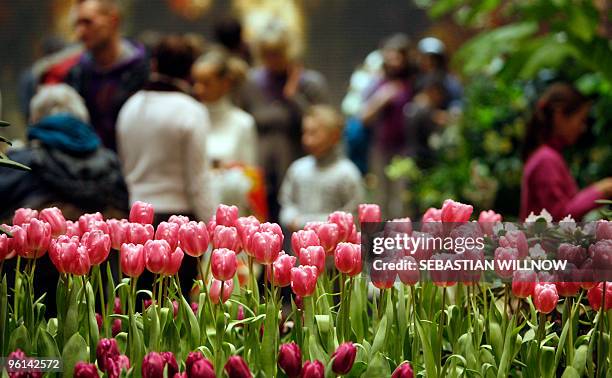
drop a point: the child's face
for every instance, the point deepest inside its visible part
(208, 86)
(318, 138)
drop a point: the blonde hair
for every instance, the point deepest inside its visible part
(57, 98)
(227, 66)
(330, 117)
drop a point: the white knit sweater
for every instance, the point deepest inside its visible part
(161, 139)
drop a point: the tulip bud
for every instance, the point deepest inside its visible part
(201, 369)
(347, 257)
(246, 227)
(56, 220)
(215, 290)
(116, 327)
(313, 256)
(117, 229)
(329, 236)
(106, 349)
(61, 250)
(404, 370)
(488, 219)
(194, 238)
(85, 370)
(455, 212)
(169, 232)
(79, 264)
(432, 215)
(603, 230)
(273, 228)
(37, 239)
(303, 239)
(170, 361)
(132, 259)
(282, 269)
(98, 246)
(383, 278)
(290, 359)
(601, 253)
(153, 365)
(411, 274)
(174, 262)
(304, 280)
(85, 219)
(345, 224)
(117, 306)
(236, 367)
(4, 246)
(523, 283)
(595, 296)
(223, 264)
(369, 213)
(515, 239)
(226, 215)
(545, 297)
(178, 219)
(137, 233)
(24, 216)
(157, 254)
(73, 229)
(141, 212)
(344, 357)
(226, 237)
(573, 254)
(313, 369)
(505, 254)
(265, 246)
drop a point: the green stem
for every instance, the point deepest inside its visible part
(102, 302)
(308, 322)
(541, 334)
(570, 335)
(600, 320)
(17, 287)
(441, 327)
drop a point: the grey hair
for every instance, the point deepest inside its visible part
(57, 98)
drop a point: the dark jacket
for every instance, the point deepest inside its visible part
(67, 167)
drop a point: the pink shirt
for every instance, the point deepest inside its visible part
(548, 184)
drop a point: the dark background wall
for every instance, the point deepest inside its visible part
(339, 34)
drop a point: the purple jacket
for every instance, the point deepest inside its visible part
(105, 91)
(548, 184)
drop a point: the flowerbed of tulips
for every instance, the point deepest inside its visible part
(316, 312)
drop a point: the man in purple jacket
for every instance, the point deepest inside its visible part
(110, 70)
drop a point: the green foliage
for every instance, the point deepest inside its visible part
(520, 48)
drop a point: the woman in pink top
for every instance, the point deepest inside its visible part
(557, 122)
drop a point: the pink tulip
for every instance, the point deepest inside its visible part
(601, 253)
(573, 254)
(515, 239)
(132, 259)
(169, 232)
(455, 212)
(178, 219)
(432, 215)
(503, 261)
(404, 370)
(595, 296)
(444, 278)
(282, 269)
(329, 236)
(153, 365)
(345, 224)
(313, 226)
(24, 216)
(226, 237)
(137, 233)
(78, 264)
(488, 219)
(523, 283)
(157, 254)
(215, 290)
(290, 359)
(399, 226)
(174, 262)
(4, 246)
(170, 360)
(369, 213)
(383, 278)
(223, 264)
(545, 297)
(265, 246)
(117, 229)
(226, 215)
(105, 350)
(141, 212)
(85, 219)
(567, 288)
(85, 370)
(304, 280)
(603, 230)
(410, 275)
(201, 368)
(246, 227)
(98, 246)
(61, 250)
(313, 369)
(38, 237)
(303, 239)
(344, 357)
(236, 367)
(73, 229)
(56, 220)
(347, 257)
(355, 237)
(194, 238)
(273, 228)
(313, 256)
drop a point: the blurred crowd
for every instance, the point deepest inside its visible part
(185, 124)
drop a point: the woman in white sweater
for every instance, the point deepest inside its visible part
(231, 141)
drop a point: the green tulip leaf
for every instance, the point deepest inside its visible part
(74, 351)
